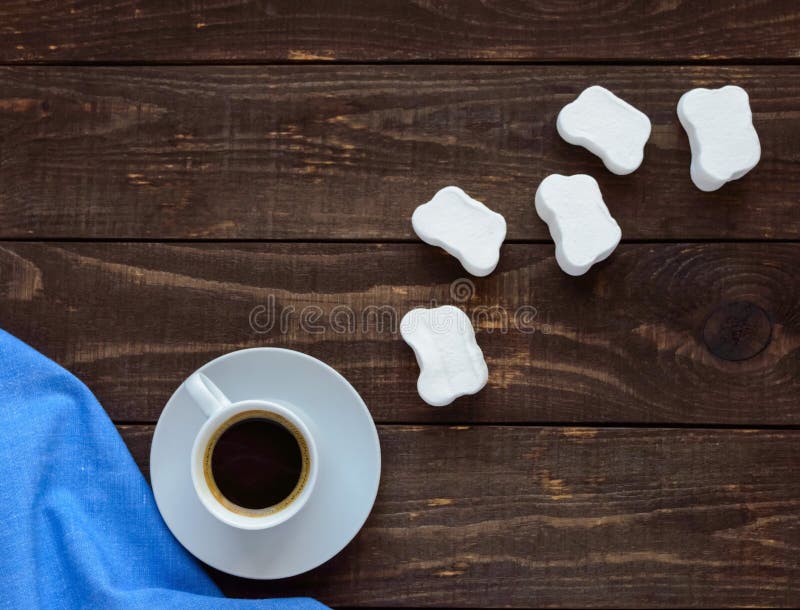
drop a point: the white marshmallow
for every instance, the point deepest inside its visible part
(451, 363)
(607, 126)
(579, 221)
(724, 142)
(464, 227)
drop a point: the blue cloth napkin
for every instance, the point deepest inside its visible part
(79, 527)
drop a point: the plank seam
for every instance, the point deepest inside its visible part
(357, 241)
(732, 61)
(598, 425)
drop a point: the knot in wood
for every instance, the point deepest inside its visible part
(737, 331)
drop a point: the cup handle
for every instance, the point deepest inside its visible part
(206, 394)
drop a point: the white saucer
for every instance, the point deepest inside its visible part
(349, 465)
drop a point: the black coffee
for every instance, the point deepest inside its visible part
(256, 463)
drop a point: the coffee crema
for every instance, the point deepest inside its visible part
(256, 463)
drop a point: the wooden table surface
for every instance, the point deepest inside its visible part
(171, 174)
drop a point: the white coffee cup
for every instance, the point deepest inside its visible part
(222, 413)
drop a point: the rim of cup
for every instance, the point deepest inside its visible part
(245, 519)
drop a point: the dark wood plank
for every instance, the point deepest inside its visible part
(347, 152)
(286, 30)
(651, 335)
(571, 517)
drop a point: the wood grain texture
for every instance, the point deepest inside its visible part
(471, 512)
(347, 152)
(571, 517)
(628, 342)
(357, 30)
